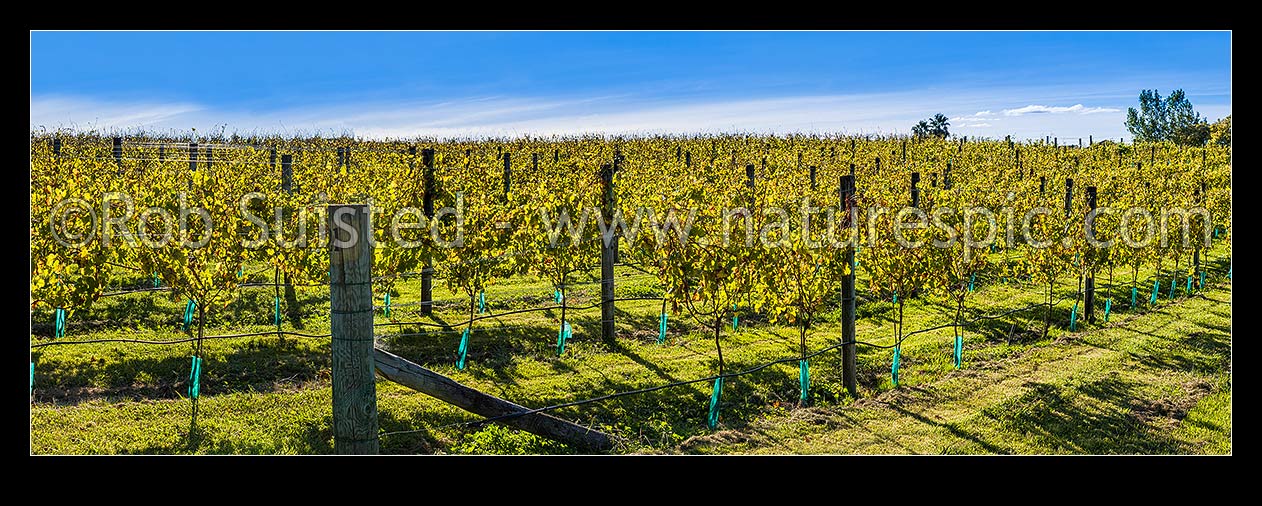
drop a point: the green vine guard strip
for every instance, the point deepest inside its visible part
(712, 420)
(564, 332)
(1108, 304)
(481, 302)
(194, 378)
(59, 323)
(188, 314)
(1173, 284)
(959, 351)
(1156, 288)
(894, 367)
(804, 378)
(1073, 318)
(464, 350)
(387, 305)
(661, 330)
(276, 313)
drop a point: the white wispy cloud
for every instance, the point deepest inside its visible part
(498, 116)
(1043, 109)
(89, 114)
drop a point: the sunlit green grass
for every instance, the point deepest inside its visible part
(1015, 394)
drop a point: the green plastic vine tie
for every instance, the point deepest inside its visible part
(188, 313)
(894, 368)
(464, 349)
(712, 420)
(556, 297)
(735, 319)
(1108, 304)
(1156, 287)
(481, 302)
(804, 378)
(1201, 286)
(661, 330)
(896, 297)
(194, 378)
(971, 278)
(387, 305)
(1134, 293)
(1173, 285)
(276, 314)
(156, 281)
(959, 351)
(1073, 318)
(32, 378)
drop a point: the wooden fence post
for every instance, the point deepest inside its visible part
(350, 301)
(915, 192)
(607, 330)
(1088, 300)
(427, 272)
(192, 156)
(849, 370)
(1069, 195)
(508, 173)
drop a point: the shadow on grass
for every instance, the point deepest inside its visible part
(256, 365)
(1095, 417)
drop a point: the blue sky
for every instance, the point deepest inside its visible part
(404, 84)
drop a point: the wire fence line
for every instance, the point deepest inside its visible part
(750, 370)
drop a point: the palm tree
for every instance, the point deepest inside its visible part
(935, 126)
(938, 125)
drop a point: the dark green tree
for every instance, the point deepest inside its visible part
(1169, 119)
(935, 127)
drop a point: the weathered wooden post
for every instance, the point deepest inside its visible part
(607, 257)
(350, 301)
(1088, 300)
(849, 369)
(427, 272)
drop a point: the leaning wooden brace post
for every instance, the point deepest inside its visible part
(411, 375)
(427, 272)
(1088, 300)
(849, 369)
(350, 301)
(607, 256)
